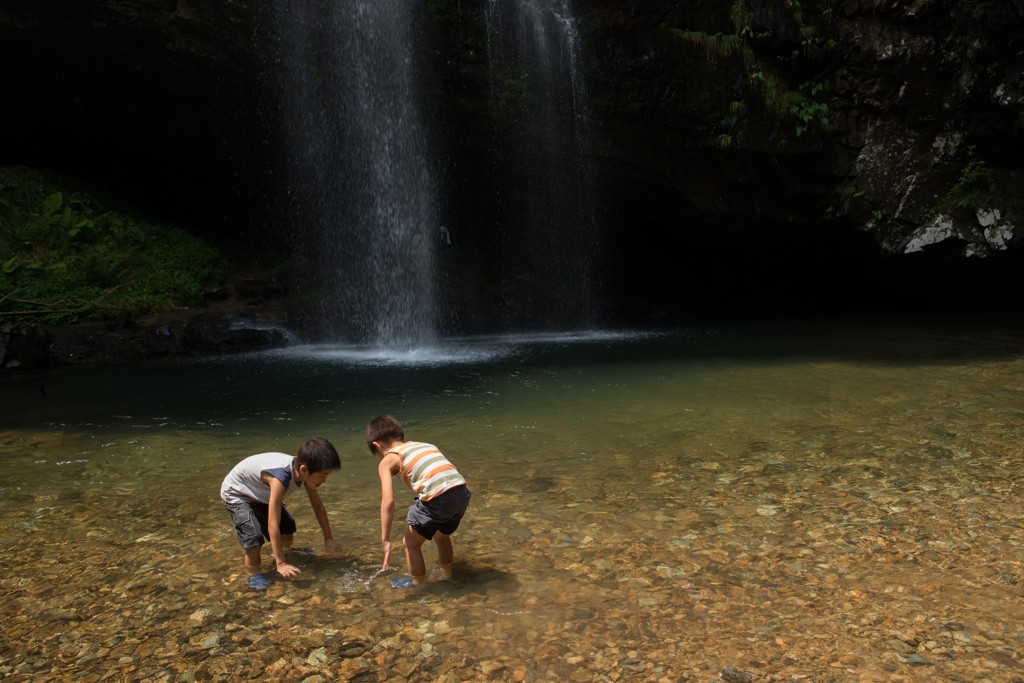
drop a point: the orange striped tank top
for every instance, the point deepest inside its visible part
(425, 470)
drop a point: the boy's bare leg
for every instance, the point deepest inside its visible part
(445, 553)
(413, 543)
(287, 540)
(252, 560)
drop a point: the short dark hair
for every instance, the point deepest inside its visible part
(318, 454)
(383, 428)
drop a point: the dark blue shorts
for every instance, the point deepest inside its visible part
(250, 520)
(442, 513)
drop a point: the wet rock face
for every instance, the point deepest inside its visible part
(930, 106)
(149, 97)
(24, 347)
(27, 347)
(900, 81)
(909, 88)
(232, 332)
(684, 143)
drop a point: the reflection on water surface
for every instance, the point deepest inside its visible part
(816, 500)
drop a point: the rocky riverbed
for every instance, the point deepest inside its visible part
(638, 519)
(888, 567)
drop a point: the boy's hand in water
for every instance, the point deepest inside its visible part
(288, 571)
(332, 546)
(387, 555)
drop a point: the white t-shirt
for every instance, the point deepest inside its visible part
(244, 483)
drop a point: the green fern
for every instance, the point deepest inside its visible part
(717, 46)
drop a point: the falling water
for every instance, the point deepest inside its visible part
(549, 197)
(360, 190)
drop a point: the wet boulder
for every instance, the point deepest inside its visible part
(233, 332)
(25, 347)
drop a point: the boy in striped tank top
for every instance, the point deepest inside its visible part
(441, 497)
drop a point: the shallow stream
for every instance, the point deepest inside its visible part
(827, 500)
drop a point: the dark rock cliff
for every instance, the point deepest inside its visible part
(759, 154)
(914, 92)
(745, 153)
(154, 99)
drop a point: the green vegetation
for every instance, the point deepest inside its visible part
(717, 46)
(515, 93)
(464, 26)
(443, 11)
(764, 52)
(810, 113)
(970, 191)
(842, 196)
(975, 178)
(65, 257)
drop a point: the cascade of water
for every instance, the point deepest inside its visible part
(361, 194)
(550, 203)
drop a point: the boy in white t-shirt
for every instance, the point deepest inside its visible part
(254, 492)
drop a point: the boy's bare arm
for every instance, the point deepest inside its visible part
(321, 516)
(389, 466)
(274, 526)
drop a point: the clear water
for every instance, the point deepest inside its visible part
(699, 497)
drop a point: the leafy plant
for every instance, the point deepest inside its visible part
(805, 106)
(67, 257)
(717, 46)
(842, 196)
(975, 178)
(515, 92)
(810, 114)
(442, 10)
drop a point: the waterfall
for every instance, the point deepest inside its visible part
(550, 204)
(360, 189)
(361, 182)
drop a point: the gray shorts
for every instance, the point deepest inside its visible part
(443, 513)
(250, 520)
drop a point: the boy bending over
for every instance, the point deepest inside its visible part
(441, 496)
(254, 492)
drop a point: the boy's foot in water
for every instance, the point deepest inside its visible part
(440, 574)
(259, 582)
(406, 582)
